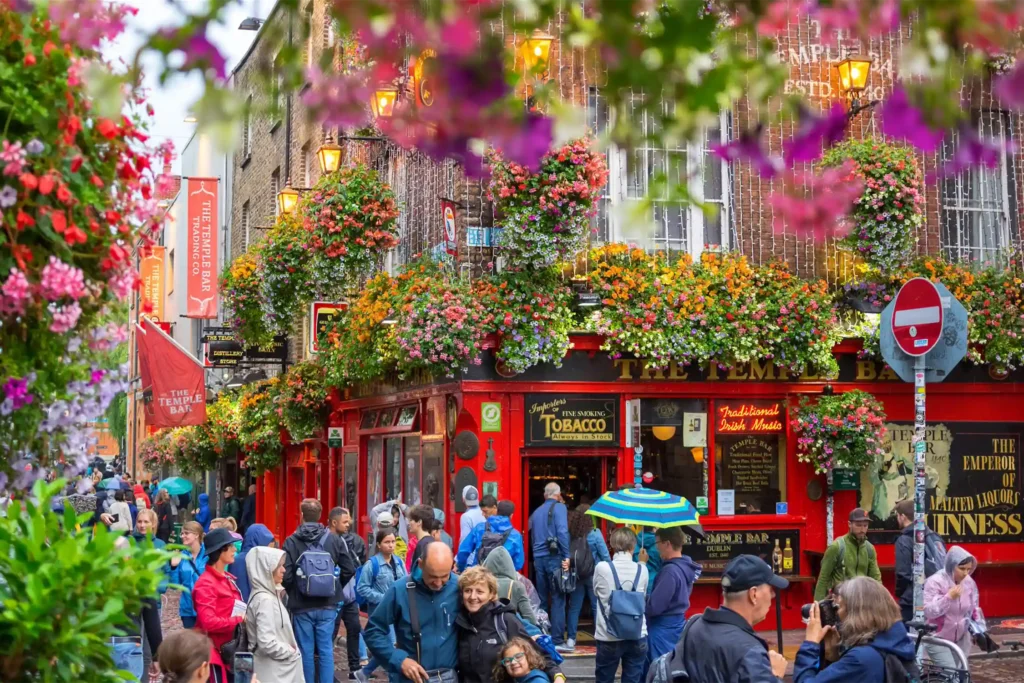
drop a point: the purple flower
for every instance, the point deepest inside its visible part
(530, 142)
(200, 53)
(904, 121)
(16, 394)
(814, 134)
(750, 147)
(973, 150)
(1009, 87)
(8, 197)
(35, 147)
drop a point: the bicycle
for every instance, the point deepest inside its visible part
(936, 673)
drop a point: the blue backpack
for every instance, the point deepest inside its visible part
(375, 568)
(316, 571)
(624, 615)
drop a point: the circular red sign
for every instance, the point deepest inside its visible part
(917, 317)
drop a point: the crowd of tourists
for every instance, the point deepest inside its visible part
(464, 611)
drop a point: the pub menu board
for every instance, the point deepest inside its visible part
(717, 547)
(750, 466)
(572, 420)
(973, 486)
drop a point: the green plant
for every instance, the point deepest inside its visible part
(65, 590)
(360, 346)
(284, 272)
(887, 217)
(242, 288)
(303, 400)
(260, 426)
(842, 430)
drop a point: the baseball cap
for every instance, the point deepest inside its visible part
(506, 508)
(859, 515)
(229, 489)
(748, 571)
(385, 519)
(471, 495)
(217, 539)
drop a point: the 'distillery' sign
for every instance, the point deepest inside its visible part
(561, 420)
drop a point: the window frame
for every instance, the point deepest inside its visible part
(275, 187)
(246, 222)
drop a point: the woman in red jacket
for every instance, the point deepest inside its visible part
(218, 602)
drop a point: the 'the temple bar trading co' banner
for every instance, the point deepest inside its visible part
(152, 272)
(202, 248)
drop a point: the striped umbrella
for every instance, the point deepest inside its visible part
(647, 507)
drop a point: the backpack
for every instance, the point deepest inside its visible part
(934, 553)
(375, 569)
(582, 558)
(671, 666)
(624, 615)
(841, 564)
(490, 541)
(899, 670)
(316, 571)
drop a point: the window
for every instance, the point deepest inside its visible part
(679, 226)
(393, 468)
(305, 161)
(675, 468)
(374, 474)
(277, 92)
(170, 271)
(750, 456)
(413, 493)
(330, 32)
(275, 187)
(979, 205)
(245, 224)
(247, 128)
(309, 35)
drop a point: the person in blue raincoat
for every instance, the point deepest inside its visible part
(498, 524)
(187, 568)
(256, 535)
(598, 548)
(203, 514)
(646, 543)
(669, 600)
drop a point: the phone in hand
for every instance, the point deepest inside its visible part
(243, 667)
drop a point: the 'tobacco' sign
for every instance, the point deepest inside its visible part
(917, 317)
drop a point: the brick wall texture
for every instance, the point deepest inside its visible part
(421, 183)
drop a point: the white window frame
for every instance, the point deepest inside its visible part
(246, 222)
(310, 37)
(616, 193)
(956, 208)
(275, 187)
(247, 128)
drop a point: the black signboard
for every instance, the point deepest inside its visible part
(973, 480)
(718, 547)
(225, 351)
(572, 420)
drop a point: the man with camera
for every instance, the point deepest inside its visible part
(849, 556)
(549, 527)
(720, 645)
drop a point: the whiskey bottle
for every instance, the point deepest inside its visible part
(787, 557)
(777, 558)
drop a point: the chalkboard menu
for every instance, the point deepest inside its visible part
(973, 484)
(718, 547)
(753, 464)
(566, 420)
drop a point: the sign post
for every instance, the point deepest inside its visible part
(922, 315)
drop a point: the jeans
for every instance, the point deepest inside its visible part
(188, 622)
(313, 632)
(127, 656)
(547, 569)
(632, 654)
(362, 647)
(349, 615)
(584, 588)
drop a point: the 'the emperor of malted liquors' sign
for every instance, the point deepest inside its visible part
(574, 420)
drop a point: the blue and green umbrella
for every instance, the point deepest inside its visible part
(175, 485)
(648, 508)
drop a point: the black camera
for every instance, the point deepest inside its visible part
(826, 610)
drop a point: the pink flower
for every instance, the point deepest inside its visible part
(122, 282)
(60, 280)
(16, 293)
(14, 157)
(87, 23)
(64, 317)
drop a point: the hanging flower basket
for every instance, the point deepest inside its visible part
(303, 400)
(260, 426)
(841, 431)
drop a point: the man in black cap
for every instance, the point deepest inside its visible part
(848, 556)
(720, 645)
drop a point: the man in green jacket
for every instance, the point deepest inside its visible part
(849, 556)
(231, 508)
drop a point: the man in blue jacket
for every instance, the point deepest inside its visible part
(549, 528)
(500, 523)
(434, 644)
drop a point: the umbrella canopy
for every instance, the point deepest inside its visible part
(175, 485)
(111, 484)
(647, 507)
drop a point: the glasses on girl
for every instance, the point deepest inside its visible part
(514, 658)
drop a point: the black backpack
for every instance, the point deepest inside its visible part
(582, 558)
(491, 540)
(671, 667)
(934, 553)
(899, 670)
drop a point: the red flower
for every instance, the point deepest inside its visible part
(30, 59)
(46, 184)
(48, 48)
(74, 235)
(107, 128)
(76, 164)
(63, 194)
(24, 220)
(21, 254)
(59, 221)
(29, 181)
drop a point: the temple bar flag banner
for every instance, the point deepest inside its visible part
(176, 379)
(202, 248)
(153, 281)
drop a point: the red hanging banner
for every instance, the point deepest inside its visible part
(202, 248)
(152, 273)
(176, 379)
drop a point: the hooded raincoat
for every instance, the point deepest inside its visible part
(948, 615)
(255, 536)
(860, 663)
(186, 574)
(498, 524)
(499, 562)
(276, 655)
(203, 516)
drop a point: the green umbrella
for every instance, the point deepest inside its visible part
(175, 485)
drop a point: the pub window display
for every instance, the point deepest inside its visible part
(750, 455)
(674, 464)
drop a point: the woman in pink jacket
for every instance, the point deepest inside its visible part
(950, 599)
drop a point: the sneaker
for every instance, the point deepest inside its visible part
(359, 676)
(567, 646)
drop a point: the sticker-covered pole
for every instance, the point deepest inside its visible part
(919, 486)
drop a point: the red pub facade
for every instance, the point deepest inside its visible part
(720, 437)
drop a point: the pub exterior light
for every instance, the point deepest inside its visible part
(329, 155)
(536, 50)
(287, 198)
(853, 75)
(384, 98)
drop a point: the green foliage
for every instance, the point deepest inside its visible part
(65, 591)
(303, 400)
(840, 431)
(260, 425)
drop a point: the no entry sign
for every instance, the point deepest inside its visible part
(917, 317)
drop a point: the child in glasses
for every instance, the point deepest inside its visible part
(520, 662)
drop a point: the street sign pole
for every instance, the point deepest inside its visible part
(920, 446)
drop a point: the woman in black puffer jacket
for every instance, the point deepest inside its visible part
(485, 625)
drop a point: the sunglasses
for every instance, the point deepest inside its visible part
(514, 658)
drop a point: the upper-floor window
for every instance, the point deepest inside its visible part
(246, 223)
(653, 170)
(275, 187)
(306, 165)
(979, 205)
(247, 128)
(310, 36)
